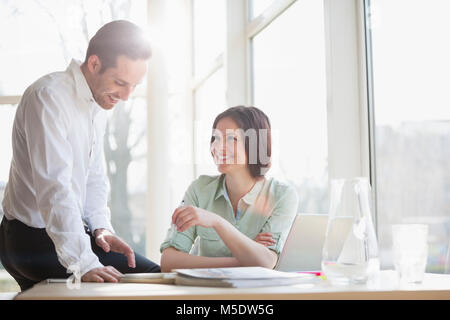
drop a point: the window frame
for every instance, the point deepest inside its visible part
(9, 99)
(348, 73)
(349, 118)
(348, 83)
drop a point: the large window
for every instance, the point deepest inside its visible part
(286, 50)
(289, 85)
(412, 121)
(302, 62)
(39, 37)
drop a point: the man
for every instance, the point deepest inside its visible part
(56, 216)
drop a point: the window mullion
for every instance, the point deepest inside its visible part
(343, 89)
(10, 99)
(235, 57)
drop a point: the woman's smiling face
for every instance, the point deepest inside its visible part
(228, 147)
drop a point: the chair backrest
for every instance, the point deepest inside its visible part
(302, 250)
(447, 259)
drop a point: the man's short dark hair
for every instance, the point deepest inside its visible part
(117, 38)
(247, 119)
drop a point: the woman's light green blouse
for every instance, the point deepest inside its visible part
(270, 206)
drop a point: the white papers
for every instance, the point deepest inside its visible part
(240, 277)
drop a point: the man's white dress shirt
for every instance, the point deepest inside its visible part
(57, 178)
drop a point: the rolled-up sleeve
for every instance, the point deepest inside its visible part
(46, 128)
(183, 241)
(282, 217)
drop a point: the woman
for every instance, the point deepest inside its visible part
(241, 217)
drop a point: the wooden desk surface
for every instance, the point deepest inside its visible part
(434, 286)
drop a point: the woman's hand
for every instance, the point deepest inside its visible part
(265, 238)
(186, 217)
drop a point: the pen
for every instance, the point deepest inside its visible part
(173, 227)
(316, 273)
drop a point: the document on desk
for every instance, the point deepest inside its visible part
(236, 277)
(163, 278)
(240, 277)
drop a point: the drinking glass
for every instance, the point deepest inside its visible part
(410, 251)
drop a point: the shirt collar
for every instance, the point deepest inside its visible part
(220, 192)
(82, 87)
(249, 198)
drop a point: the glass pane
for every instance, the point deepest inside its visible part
(256, 7)
(209, 102)
(39, 37)
(125, 155)
(209, 33)
(7, 113)
(289, 85)
(412, 121)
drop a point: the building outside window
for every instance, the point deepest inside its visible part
(410, 68)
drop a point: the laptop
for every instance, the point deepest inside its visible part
(302, 250)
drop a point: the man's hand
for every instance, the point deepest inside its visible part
(104, 274)
(108, 241)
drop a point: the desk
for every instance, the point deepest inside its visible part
(434, 286)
